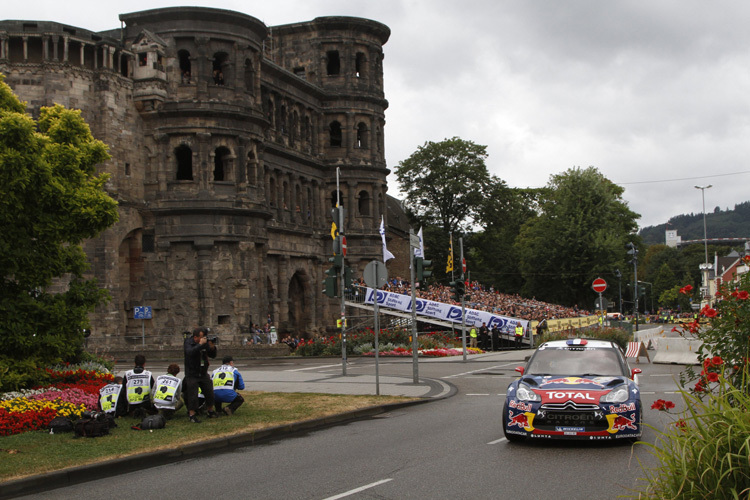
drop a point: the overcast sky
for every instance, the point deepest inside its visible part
(656, 95)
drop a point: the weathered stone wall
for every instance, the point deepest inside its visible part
(224, 161)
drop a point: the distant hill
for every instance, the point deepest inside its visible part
(719, 224)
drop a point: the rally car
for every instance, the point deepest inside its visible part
(574, 389)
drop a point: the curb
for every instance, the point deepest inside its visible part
(84, 473)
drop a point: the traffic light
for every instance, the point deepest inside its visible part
(454, 291)
(633, 252)
(337, 261)
(421, 264)
(461, 288)
(347, 277)
(330, 284)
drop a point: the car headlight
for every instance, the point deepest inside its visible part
(618, 395)
(524, 393)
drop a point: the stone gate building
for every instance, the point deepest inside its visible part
(226, 136)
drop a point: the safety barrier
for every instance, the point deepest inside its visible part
(650, 337)
(678, 351)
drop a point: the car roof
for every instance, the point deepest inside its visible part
(590, 343)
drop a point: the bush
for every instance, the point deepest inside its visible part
(705, 453)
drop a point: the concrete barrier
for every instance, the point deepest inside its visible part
(677, 351)
(650, 337)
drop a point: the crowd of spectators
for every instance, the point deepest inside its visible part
(490, 300)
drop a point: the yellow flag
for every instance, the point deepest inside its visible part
(334, 232)
(449, 267)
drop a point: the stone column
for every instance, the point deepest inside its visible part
(282, 314)
(351, 208)
(204, 247)
(55, 41)
(25, 48)
(66, 48)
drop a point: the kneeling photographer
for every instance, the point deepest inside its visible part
(198, 348)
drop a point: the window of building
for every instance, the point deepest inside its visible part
(184, 156)
(335, 133)
(362, 135)
(334, 63)
(359, 65)
(219, 68)
(221, 163)
(300, 71)
(249, 76)
(364, 203)
(142, 59)
(127, 169)
(184, 57)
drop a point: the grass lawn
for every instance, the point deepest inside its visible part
(37, 452)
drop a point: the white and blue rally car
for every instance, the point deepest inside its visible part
(574, 389)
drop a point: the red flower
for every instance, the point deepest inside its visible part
(717, 361)
(707, 363)
(700, 386)
(708, 312)
(681, 424)
(743, 295)
(712, 377)
(685, 290)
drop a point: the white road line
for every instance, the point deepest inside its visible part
(482, 370)
(357, 490)
(477, 394)
(497, 441)
(311, 368)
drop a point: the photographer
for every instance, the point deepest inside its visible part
(227, 380)
(198, 348)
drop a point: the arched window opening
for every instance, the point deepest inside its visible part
(362, 136)
(285, 193)
(359, 65)
(297, 199)
(334, 63)
(335, 133)
(268, 110)
(184, 57)
(294, 128)
(221, 166)
(282, 119)
(219, 67)
(184, 156)
(364, 203)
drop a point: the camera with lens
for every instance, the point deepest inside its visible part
(214, 339)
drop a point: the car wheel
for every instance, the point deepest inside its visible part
(512, 438)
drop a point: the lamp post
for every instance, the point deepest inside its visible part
(705, 267)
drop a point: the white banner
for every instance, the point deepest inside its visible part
(446, 312)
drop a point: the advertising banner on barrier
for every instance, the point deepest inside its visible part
(446, 312)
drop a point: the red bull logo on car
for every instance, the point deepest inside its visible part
(619, 423)
(522, 420)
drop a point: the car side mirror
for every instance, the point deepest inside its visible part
(520, 369)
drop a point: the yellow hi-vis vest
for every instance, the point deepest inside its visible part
(519, 331)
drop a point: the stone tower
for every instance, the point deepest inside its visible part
(226, 138)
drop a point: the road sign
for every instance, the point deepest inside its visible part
(142, 312)
(376, 274)
(599, 285)
(343, 246)
(601, 303)
(463, 266)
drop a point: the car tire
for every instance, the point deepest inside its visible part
(512, 438)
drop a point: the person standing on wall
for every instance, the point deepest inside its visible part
(197, 351)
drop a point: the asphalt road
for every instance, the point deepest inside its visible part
(449, 448)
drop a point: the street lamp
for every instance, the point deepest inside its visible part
(706, 267)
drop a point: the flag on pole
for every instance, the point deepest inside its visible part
(386, 254)
(419, 252)
(449, 267)
(334, 231)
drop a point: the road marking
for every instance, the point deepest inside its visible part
(311, 368)
(478, 394)
(357, 490)
(662, 375)
(497, 441)
(482, 370)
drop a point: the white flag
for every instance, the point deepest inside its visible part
(386, 254)
(419, 252)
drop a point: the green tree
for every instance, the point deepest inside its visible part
(445, 183)
(580, 234)
(492, 253)
(51, 200)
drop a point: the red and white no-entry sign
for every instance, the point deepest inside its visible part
(599, 285)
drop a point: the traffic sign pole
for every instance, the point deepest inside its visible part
(599, 286)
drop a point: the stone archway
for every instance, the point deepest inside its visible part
(299, 308)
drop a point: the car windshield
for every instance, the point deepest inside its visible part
(577, 362)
